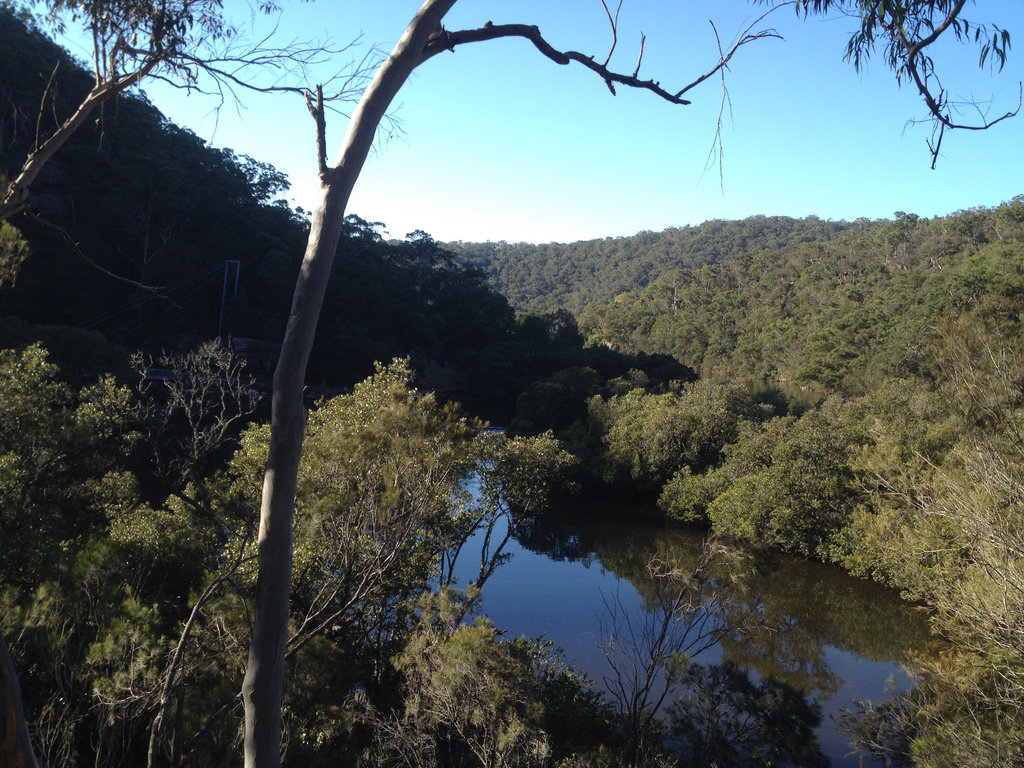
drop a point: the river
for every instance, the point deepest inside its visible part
(835, 638)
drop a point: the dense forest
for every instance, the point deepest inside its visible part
(849, 392)
(569, 276)
(836, 315)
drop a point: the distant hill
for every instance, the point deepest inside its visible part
(835, 313)
(568, 276)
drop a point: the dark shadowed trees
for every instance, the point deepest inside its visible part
(184, 42)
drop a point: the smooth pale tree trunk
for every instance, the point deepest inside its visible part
(262, 689)
(15, 744)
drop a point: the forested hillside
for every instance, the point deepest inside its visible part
(825, 305)
(132, 454)
(568, 276)
(836, 314)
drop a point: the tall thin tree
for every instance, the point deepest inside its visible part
(424, 38)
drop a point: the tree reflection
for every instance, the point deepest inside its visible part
(783, 613)
(649, 653)
(725, 718)
(804, 609)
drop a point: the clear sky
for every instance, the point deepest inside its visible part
(499, 143)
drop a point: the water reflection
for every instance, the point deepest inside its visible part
(833, 638)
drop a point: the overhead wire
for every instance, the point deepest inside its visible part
(179, 293)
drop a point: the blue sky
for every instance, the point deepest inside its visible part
(499, 143)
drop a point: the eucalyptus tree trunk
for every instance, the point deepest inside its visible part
(15, 744)
(264, 678)
(262, 690)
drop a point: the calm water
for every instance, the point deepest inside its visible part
(836, 638)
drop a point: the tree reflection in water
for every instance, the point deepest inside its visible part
(783, 622)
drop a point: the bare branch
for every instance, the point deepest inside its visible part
(640, 56)
(744, 38)
(448, 40)
(717, 150)
(317, 111)
(445, 40)
(155, 290)
(192, 408)
(614, 22)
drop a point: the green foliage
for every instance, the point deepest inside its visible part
(471, 698)
(52, 440)
(686, 497)
(127, 661)
(556, 402)
(94, 642)
(468, 699)
(651, 437)
(916, 482)
(579, 721)
(910, 431)
(410, 298)
(523, 472)
(569, 276)
(380, 486)
(95, 579)
(13, 249)
(787, 483)
(837, 314)
(803, 497)
(914, 19)
(944, 524)
(386, 501)
(81, 355)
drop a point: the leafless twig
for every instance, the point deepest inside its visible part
(444, 40)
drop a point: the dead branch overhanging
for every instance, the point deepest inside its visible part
(717, 149)
(443, 40)
(156, 290)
